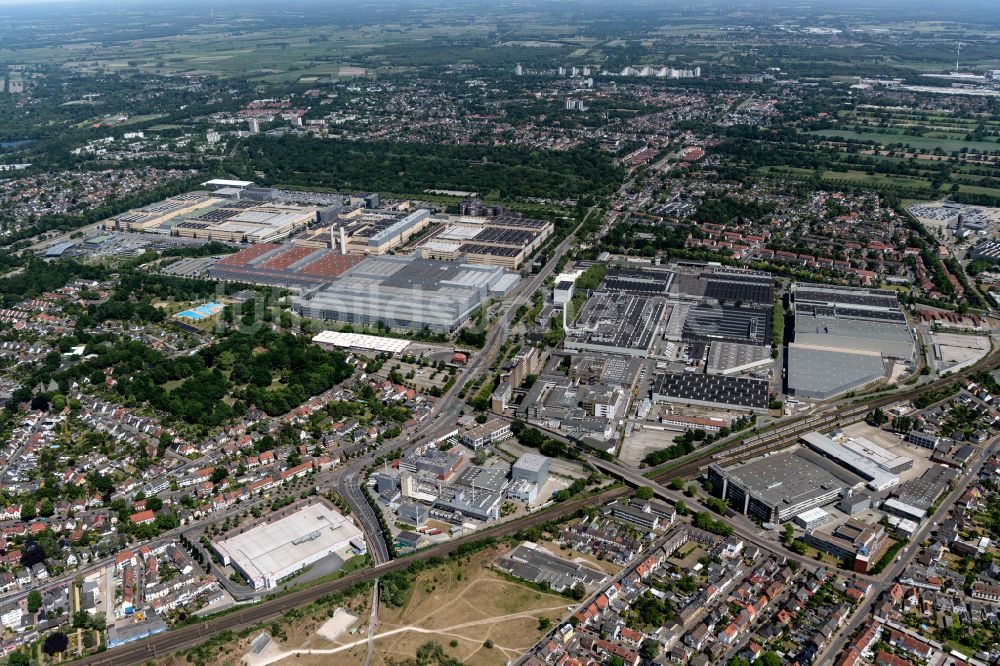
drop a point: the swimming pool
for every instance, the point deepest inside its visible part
(200, 312)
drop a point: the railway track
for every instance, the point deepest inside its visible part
(189, 636)
(789, 433)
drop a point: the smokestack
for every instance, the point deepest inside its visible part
(333, 240)
(343, 241)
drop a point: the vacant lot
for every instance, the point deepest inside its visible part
(463, 602)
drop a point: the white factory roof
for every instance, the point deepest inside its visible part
(459, 233)
(441, 245)
(813, 515)
(222, 182)
(570, 276)
(878, 479)
(884, 458)
(271, 548)
(361, 341)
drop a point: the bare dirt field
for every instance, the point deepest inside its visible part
(459, 605)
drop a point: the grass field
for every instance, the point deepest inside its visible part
(920, 142)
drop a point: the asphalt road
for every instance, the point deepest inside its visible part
(447, 408)
(896, 568)
(189, 636)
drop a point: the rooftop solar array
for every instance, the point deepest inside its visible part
(495, 250)
(746, 289)
(863, 297)
(707, 322)
(501, 236)
(714, 389)
(647, 283)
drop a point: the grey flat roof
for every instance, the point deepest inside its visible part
(791, 477)
(724, 355)
(817, 372)
(531, 462)
(853, 328)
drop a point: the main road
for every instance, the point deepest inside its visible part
(448, 407)
(896, 568)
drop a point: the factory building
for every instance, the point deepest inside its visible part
(413, 514)
(531, 467)
(617, 324)
(405, 293)
(289, 266)
(505, 240)
(820, 373)
(880, 468)
(720, 391)
(289, 542)
(780, 486)
(847, 319)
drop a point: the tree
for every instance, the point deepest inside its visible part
(650, 649)
(544, 623)
(55, 642)
(34, 601)
(769, 659)
(677, 483)
(18, 659)
(789, 534)
(644, 492)
(878, 417)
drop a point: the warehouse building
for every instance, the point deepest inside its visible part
(780, 486)
(405, 293)
(820, 373)
(360, 342)
(284, 545)
(712, 391)
(891, 339)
